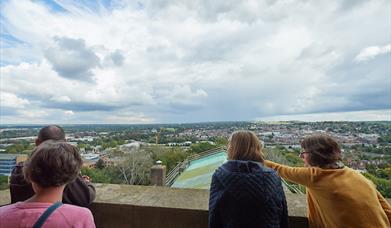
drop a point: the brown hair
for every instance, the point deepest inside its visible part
(51, 132)
(322, 150)
(245, 145)
(53, 163)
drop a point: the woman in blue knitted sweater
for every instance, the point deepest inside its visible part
(243, 192)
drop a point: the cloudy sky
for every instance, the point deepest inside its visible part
(65, 61)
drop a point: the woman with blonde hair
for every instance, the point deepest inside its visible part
(243, 192)
(337, 196)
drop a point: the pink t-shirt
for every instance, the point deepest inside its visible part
(23, 214)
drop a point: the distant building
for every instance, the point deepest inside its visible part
(8, 162)
(129, 147)
(187, 143)
(89, 159)
(73, 143)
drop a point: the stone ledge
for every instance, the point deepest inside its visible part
(152, 206)
(175, 197)
(153, 196)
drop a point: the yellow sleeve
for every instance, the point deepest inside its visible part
(385, 205)
(300, 175)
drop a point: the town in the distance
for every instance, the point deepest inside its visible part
(124, 154)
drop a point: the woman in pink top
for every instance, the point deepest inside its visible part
(52, 165)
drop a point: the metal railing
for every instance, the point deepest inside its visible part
(180, 167)
(292, 188)
(174, 173)
(205, 153)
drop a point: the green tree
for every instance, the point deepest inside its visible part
(97, 175)
(382, 185)
(100, 164)
(3, 182)
(23, 146)
(170, 157)
(201, 147)
(221, 141)
(135, 168)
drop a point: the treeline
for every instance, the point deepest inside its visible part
(282, 155)
(383, 185)
(22, 132)
(386, 150)
(385, 139)
(381, 176)
(3, 182)
(133, 166)
(22, 147)
(103, 142)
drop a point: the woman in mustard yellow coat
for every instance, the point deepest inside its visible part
(337, 196)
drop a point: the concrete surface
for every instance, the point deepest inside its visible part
(153, 206)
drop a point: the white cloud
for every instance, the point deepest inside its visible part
(32, 114)
(367, 115)
(69, 113)
(60, 99)
(71, 58)
(12, 101)
(182, 94)
(129, 117)
(371, 52)
(188, 61)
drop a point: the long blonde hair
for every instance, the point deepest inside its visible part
(245, 145)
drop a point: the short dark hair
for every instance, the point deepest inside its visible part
(53, 163)
(322, 149)
(54, 132)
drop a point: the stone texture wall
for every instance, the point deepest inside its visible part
(153, 206)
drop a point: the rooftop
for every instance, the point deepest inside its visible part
(198, 173)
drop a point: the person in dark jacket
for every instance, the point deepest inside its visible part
(245, 193)
(79, 192)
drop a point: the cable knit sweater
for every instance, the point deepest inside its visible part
(338, 197)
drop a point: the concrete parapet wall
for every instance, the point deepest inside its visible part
(153, 206)
(123, 215)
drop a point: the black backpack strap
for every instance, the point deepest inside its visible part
(41, 220)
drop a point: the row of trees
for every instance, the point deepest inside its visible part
(133, 169)
(23, 147)
(383, 185)
(386, 150)
(133, 166)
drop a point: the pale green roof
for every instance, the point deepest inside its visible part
(199, 173)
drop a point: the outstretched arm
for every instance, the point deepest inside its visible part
(301, 175)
